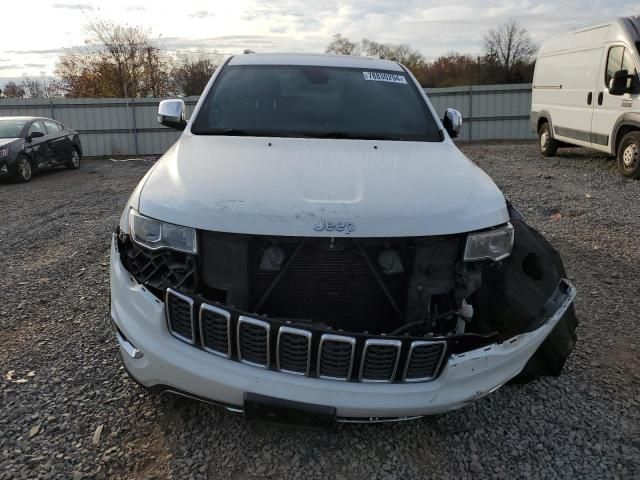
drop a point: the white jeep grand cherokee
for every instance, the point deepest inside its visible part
(315, 248)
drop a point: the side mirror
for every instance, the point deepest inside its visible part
(618, 85)
(34, 135)
(452, 122)
(171, 114)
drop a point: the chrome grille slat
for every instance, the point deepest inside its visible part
(335, 357)
(380, 359)
(424, 360)
(179, 313)
(293, 350)
(215, 330)
(254, 347)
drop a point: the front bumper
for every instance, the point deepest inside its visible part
(163, 361)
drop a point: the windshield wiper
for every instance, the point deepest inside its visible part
(241, 132)
(352, 136)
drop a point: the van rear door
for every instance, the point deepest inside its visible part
(609, 108)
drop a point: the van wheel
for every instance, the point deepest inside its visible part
(629, 155)
(548, 146)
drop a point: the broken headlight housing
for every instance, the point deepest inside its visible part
(493, 244)
(156, 235)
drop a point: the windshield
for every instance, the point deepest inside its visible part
(317, 102)
(10, 128)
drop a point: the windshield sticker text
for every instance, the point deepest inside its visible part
(384, 77)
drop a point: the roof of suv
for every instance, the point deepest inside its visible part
(319, 60)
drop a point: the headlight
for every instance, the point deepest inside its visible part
(155, 235)
(4, 152)
(490, 245)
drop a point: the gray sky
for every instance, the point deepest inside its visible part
(230, 26)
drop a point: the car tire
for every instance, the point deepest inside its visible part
(629, 155)
(24, 169)
(74, 162)
(548, 146)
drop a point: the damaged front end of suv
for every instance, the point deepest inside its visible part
(368, 273)
(360, 310)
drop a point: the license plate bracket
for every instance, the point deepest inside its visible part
(264, 409)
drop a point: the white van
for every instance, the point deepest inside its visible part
(315, 248)
(585, 92)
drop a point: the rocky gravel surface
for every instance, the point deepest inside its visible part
(68, 410)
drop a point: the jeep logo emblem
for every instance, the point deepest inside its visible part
(331, 226)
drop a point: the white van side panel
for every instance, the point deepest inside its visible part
(572, 65)
(564, 79)
(583, 39)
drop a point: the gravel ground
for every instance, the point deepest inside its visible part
(68, 410)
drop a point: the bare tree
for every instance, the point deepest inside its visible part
(402, 53)
(510, 49)
(193, 70)
(13, 90)
(342, 46)
(117, 61)
(41, 88)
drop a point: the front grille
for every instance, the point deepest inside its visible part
(424, 360)
(180, 316)
(215, 326)
(294, 350)
(380, 360)
(253, 342)
(276, 345)
(335, 357)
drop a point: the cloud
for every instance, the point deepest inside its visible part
(35, 65)
(72, 6)
(300, 15)
(432, 27)
(202, 14)
(237, 43)
(37, 52)
(11, 66)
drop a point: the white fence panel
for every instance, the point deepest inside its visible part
(118, 126)
(489, 112)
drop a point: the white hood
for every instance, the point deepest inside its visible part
(320, 187)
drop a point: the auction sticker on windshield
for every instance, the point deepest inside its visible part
(384, 77)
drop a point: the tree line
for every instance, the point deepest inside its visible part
(508, 57)
(124, 61)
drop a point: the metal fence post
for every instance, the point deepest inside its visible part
(470, 112)
(135, 129)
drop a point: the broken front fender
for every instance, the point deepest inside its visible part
(517, 295)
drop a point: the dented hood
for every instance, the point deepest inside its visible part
(320, 187)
